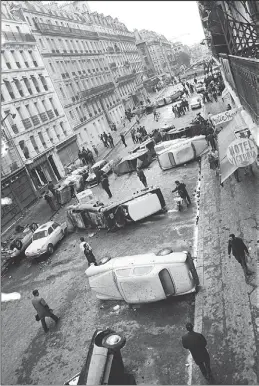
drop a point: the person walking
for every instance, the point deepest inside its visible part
(123, 140)
(239, 251)
(110, 139)
(88, 252)
(212, 142)
(51, 188)
(181, 189)
(196, 344)
(48, 196)
(95, 150)
(132, 133)
(142, 176)
(105, 184)
(43, 310)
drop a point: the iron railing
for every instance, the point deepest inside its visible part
(245, 72)
(107, 87)
(18, 37)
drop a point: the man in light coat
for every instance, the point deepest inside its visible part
(43, 310)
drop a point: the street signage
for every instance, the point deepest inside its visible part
(224, 117)
(242, 152)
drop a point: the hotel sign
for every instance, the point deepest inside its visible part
(242, 152)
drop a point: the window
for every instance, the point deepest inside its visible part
(62, 92)
(55, 225)
(42, 140)
(50, 230)
(71, 115)
(52, 67)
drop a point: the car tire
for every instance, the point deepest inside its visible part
(164, 252)
(50, 249)
(114, 341)
(18, 244)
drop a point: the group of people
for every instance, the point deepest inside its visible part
(86, 156)
(181, 107)
(214, 86)
(138, 134)
(107, 140)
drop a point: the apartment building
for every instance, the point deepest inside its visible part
(37, 137)
(92, 61)
(156, 52)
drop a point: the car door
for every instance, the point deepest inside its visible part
(51, 236)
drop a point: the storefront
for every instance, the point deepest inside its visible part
(19, 188)
(43, 169)
(68, 151)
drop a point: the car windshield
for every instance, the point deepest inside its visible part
(39, 235)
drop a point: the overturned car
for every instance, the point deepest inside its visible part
(137, 207)
(144, 278)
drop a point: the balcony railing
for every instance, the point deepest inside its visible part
(17, 37)
(43, 117)
(27, 123)
(245, 75)
(97, 90)
(50, 114)
(67, 31)
(35, 120)
(126, 78)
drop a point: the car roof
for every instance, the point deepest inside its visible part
(97, 164)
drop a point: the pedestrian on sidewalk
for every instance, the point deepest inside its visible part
(123, 140)
(239, 251)
(142, 176)
(95, 150)
(110, 139)
(88, 252)
(48, 196)
(43, 310)
(105, 184)
(197, 343)
(182, 191)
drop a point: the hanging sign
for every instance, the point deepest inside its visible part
(242, 152)
(224, 117)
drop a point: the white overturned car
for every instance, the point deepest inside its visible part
(45, 238)
(144, 278)
(195, 103)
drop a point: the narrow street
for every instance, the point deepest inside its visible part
(153, 352)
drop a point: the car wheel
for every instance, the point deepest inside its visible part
(18, 244)
(104, 260)
(164, 252)
(50, 249)
(114, 341)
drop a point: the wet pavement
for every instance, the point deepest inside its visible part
(153, 352)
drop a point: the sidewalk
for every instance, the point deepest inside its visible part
(40, 211)
(226, 307)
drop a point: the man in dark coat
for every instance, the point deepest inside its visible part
(123, 140)
(239, 251)
(181, 189)
(51, 188)
(211, 139)
(88, 252)
(196, 343)
(142, 176)
(105, 184)
(110, 139)
(43, 310)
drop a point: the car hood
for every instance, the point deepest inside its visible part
(36, 244)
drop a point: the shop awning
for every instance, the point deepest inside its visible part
(225, 137)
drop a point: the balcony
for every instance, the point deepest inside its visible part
(27, 123)
(14, 37)
(94, 91)
(35, 120)
(50, 114)
(51, 29)
(244, 73)
(113, 66)
(43, 117)
(126, 78)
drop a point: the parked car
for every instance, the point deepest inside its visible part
(144, 278)
(140, 205)
(14, 247)
(104, 364)
(45, 238)
(129, 163)
(195, 103)
(93, 178)
(200, 87)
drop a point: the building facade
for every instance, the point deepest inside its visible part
(92, 61)
(231, 31)
(156, 52)
(35, 131)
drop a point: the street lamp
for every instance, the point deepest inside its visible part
(7, 115)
